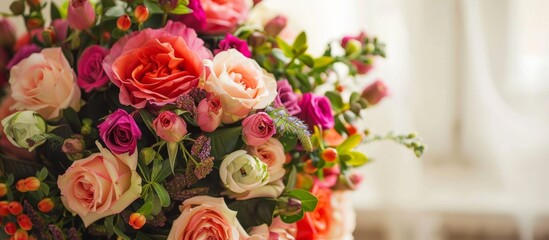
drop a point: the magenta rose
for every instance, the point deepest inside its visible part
(156, 66)
(170, 127)
(90, 71)
(60, 28)
(23, 53)
(258, 129)
(316, 110)
(287, 98)
(231, 41)
(120, 132)
(196, 19)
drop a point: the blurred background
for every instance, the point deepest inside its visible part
(472, 78)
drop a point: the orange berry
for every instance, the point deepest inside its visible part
(351, 130)
(329, 155)
(124, 22)
(137, 220)
(3, 189)
(10, 228)
(21, 186)
(21, 234)
(141, 13)
(45, 205)
(32, 183)
(4, 210)
(15, 208)
(288, 158)
(24, 222)
(340, 88)
(308, 167)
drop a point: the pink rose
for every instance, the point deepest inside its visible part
(45, 83)
(60, 28)
(100, 185)
(90, 71)
(170, 127)
(231, 41)
(375, 92)
(208, 114)
(272, 154)
(120, 132)
(240, 83)
(224, 16)
(257, 129)
(155, 66)
(343, 216)
(205, 217)
(196, 19)
(80, 14)
(278, 230)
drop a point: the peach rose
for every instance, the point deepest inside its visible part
(240, 83)
(343, 216)
(100, 185)
(272, 154)
(205, 217)
(278, 230)
(224, 16)
(45, 83)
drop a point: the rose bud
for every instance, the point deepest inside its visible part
(353, 48)
(124, 23)
(45, 205)
(356, 179)
(141, 13)
(208, 114)
(34, 3)
(32, 183)
(81, 14)
(329, 155)
(170, 127)
(7, 31)
(257, 39)
(73, 147)
(10, 228)
(15, 208)
(17, 7)
(21, 235)
(168, 4)
(137, 220)
(4, 209)
(24, 222)
(293, 206)
(34, 23)
(257, 129)
(363, 67)
(308, 167)
(276, 25)
(3, 189)
(147, 155)
(375, 92)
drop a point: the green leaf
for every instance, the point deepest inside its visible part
(355, 96)
(120, 233)
(255, 211)
(156, 169)
(292, 179)
(292, 218)
(355, 159)
(42, 174)
(225, 141)
(300, 43)
(304, 81)
(181, 9)
(307, 60)
(10, 180)
(153, 7)
(287, 49)
(349, 143)
(146, 209)
(109, 225)
(44, 189)
(162, 193)
(335, 100)
(289, 142)
(147, 119)
(323, 61)
(117, 33)
(54, 11)
(173, 149)
(72, 119)
(308, 200)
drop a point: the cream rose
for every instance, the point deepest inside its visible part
(240, 83)
(205, 217)
(100, 185)
(343, 216)
(278, 230)
(45, 83)
(241, 172)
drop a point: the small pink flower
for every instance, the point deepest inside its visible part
(170, 127)
(375, 92)
(231, 41)
(258, 129)
(60, 28)
(120, 132)
(90, 71)
(81, 14)
(208, 114)
(276, 25)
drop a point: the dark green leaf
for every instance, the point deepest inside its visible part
(120, 233)
(323, 61)
(292, 179)
(42, 174)
(162, 193)
(72, 119)
(107, 3)
(355, 96)
(287, 49)
(292, 218)
(300, 43)
(335, 99)
(153, 7)
(307, 60)
(109, 225)
(225, 141)
(349, 143)
(147, 119)
(146, 209)
(254, 212)
(54, 11)
(308, 200)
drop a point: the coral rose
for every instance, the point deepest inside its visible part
(224, 16)
(240, 83)
(205, 217)
(100, 185)
(272, 154)
(258, 129)
(170, 127)
(317, 224)
(155, 66)
(45, 83)
(278, 230)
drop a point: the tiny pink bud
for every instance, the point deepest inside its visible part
(375, 92)
(81, 14)
(276, 25)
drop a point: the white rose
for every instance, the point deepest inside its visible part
(241, 172)
(21, 126)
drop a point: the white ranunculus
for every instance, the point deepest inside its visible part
(241, 172)
(21, 126)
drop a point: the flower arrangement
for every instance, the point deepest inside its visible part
(177, 119)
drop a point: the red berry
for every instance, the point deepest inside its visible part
(15, 208)
(137, 220)
(10, 228)
(24, 222)
(124, 23)
(141, 13)
(21, 235)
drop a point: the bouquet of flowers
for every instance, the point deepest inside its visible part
(177, 119)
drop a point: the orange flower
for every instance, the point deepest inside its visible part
(317, 224)
(332, 137)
